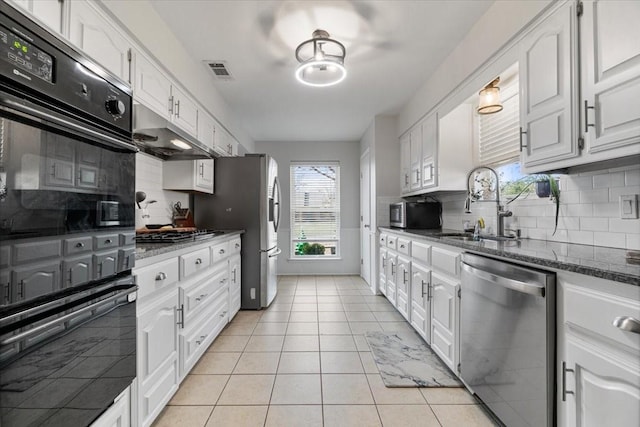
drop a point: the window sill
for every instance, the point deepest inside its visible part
(324, 258)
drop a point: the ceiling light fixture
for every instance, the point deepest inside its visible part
(321, 61)
(490, 98)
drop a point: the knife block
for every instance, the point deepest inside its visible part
(183, 219)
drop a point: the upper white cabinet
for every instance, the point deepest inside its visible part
(151, 87)
(610, 71)
(95, 34)
(188, 175)
(214, 136)
(405, 164)
(429, 151)
(48, 12)
(547, 90)
(415, 137)
(185, 110)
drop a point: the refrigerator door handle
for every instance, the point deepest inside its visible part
(276, 253)
(276, 203)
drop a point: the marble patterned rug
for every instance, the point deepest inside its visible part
(405, 360)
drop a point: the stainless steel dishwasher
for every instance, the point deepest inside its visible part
(507, 339)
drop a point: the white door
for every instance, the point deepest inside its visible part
(151, 87)
(415, 157)
(204, 175)
(365, 219)
(605, 386)
(403, 281)
(547, 90)
(610, 43)
(405, 164)
(185, 111)
(420, 300)
(444, 323)
(382, 262)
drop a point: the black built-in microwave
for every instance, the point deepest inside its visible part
(417, 215)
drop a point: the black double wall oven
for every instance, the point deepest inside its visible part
(67, 237)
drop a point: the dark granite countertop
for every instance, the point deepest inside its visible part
(147, 250)
(596, 261)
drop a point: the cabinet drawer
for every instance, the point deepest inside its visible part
(404, 246)
(127, 239)
(235, 246)
(194, 262)
(383, 240)
(220, 251)
(106, 241)
(156, 276)
(445, 261)
(201, 294)
(421, 251)
(392, 242)
(77, 245)
(596, 311)
(33, 251)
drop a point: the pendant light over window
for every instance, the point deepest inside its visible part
(490, 98)
(321, 61)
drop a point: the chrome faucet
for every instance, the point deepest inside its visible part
(501, 213)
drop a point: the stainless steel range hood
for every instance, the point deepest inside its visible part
(155, 135)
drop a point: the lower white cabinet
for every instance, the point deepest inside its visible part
(119, 414)
(186, 298)
(599, 362)
(157, 353)
(382, 279)
(445, 309)
(402, 286)
(392, 270)
(421, 300)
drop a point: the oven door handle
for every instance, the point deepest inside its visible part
(505, 282)
(33, 113)
(59, 320)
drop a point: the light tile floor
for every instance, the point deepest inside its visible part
(304, 361)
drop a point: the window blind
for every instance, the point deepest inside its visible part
(315, 205)
(499, 132)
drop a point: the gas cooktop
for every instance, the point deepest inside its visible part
(174, 236)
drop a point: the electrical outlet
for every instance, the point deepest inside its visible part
(629, 206)
(253, 293)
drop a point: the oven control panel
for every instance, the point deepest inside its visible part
(24, 55)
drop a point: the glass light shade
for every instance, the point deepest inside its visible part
(320, 73)
(180, 144)
(489, 100)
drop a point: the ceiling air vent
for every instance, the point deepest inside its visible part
(220, 70)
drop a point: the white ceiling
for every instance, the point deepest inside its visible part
(392, 48)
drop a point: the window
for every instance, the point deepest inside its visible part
(315, 210)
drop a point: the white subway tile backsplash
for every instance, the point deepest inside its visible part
(608, 239)
(632, 176)
(606, 210)
(633, 241)
(616, 192)
(579, 210)
(579, 182)
(619, 225)
(594, 196)
(568, 197)
(580, 237)
(594, 224)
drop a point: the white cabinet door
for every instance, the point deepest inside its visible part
(548, 90)
(204, 175)
(382, 280)
(416, 157)
(235, 282)
(420, 300)
(206, 129)
(605, 388)
(157, 355)
(405, 164)
(151, 87)
(430, 151)
(403, 286)
(610, 68)
(185, 111)
(444, 318)
(100, 38)
(49, 12)
(118, 414)
(392, 271)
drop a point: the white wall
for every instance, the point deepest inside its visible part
(150, 30)
(348, 154)
(494, 29)
(149, 180)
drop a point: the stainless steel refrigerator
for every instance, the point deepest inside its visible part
(247, 196)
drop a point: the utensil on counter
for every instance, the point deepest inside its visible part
(140, 197)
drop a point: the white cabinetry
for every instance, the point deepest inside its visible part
(421, 289)
(403, 282)
(599, 375)
(157, 353)
(610, 75)
(188, 175)
(151, 87)
(415, 137)
(214, 136)
(429, 151)
(95, 34)
(185, 111)
(405, 164)
(444, 318)
(48, 12)
(548, 91)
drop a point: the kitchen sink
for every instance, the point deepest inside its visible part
(469, 238)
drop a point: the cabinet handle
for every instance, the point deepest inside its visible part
(521, 143)
(564, 381)
(223, 313)
(627, 323)
(53, 169)
(21, 289)
(406, 179)
(234, 275)
(202, 169)
(221, 251)
(404, 276)
(160, 276)
(198, 261)
(423, 283)
(237, 245)
(171, 104)
(418, 176)
(202, 338)
(223, 280)
(178, 109)
(180, 316)
(108, 241)
(393, 271)
(71, 275)
(401, 246)
(587, 125)
(79, 245)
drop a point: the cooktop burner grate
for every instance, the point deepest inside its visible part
(170, 236)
